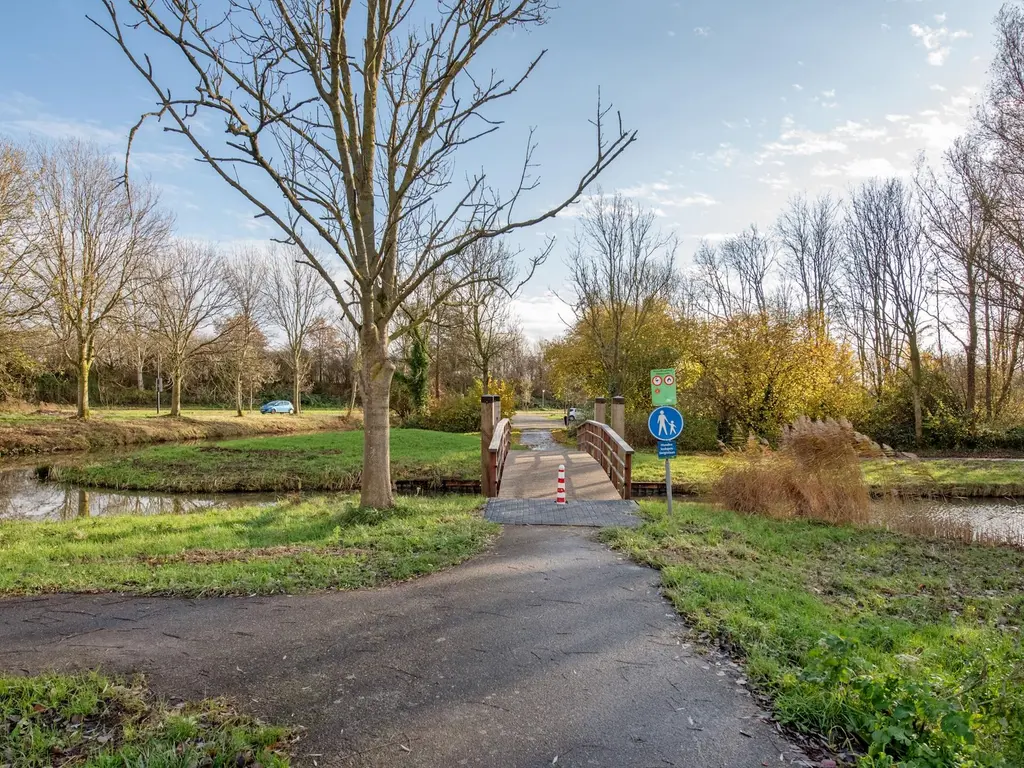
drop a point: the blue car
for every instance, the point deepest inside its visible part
(278, 406)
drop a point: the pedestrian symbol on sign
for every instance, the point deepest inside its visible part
(665, 423)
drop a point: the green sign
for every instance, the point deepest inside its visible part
(663, 387)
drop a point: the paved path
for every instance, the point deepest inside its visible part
(549, 646)
(591, 514)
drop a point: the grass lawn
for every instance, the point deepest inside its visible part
(966, 476)
(75, 720)
(695, 473)
(291, 546)
(58, 430)
(324, 461)
(903, 647)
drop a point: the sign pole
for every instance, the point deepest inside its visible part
(665, 422)
(668, 484)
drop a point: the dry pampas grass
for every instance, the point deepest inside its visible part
(814, 474)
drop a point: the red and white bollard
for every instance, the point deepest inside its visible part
(560, 495)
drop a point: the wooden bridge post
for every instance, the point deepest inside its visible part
(490, 411)
(618, 423)
(600, 414)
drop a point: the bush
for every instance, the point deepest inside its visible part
(815, 474)
(452, 413)
(461, 413)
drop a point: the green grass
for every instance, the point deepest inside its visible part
(91, 720)
(872, 638)
(59, 431)
(325, 461)
(696, 473)
(291, 546)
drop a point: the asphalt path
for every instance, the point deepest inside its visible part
(548, 650)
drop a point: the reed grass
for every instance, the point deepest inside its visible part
(815, 474)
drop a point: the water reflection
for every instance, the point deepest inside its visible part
(981, 521)
(22, 497)
(539, 440)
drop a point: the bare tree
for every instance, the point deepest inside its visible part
(732, 278)
(247, 305)
(295, 299)
(810, 236)
(188, 295)
(959, 232)
(483, 311)
(622, 269)
(94, 235)
(345, 132)
(887, 275)
(751, 255)
(16, 208)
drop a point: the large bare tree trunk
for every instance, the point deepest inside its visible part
(176, 393)
(297, 383)
(375, 378)
(238, 396)
(972, 354)
(84, 366)
(352, 398)
(917, 384)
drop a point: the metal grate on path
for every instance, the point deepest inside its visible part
(591, 514)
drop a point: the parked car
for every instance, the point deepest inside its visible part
(278, 406)
(570, 416)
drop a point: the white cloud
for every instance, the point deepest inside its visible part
(725, 156)
(865, 168)
(702, 31)
(859, 131)
(540, 317)
(662, 195)
(860, 168)
(22, 115)
(797, 87)
(713, 237)
(936, 41)
(777, 181)
(801, 143)
(937, 128)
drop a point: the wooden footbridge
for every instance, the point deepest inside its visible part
(522, 484)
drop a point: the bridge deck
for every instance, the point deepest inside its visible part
(534, 475)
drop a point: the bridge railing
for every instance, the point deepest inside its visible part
(497, 453)
(610, 451)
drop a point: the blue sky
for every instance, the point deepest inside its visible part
(739, 104)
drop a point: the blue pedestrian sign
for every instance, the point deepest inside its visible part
(666, 450)
(665, 423)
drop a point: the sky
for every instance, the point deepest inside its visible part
(738, 104)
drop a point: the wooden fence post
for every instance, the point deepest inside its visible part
(487, 424)
(618, 423)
